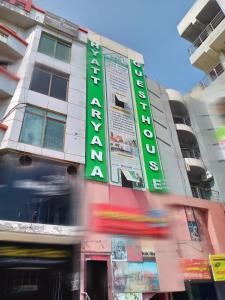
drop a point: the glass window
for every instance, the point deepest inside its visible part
(54, 47)
(54, 135)
(32, 130)
(192, 223)
(40, 81)
(49, 82)
(47, 45)
(58, 87)
(43, 129)
(63, 52)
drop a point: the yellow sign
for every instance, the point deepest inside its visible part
(218, 266)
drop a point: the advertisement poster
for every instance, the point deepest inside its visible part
(136, 277)
(195, 269)
(124, 155)
(120, 277)
(134, 251)
(151, 278)
(119, 249)
(218, 266)
(128, 296)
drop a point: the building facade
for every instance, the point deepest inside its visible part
(73, 105)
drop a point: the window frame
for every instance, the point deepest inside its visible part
(56, 40)
(46, 117)
(51, 72)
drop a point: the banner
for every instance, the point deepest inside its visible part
(114, 219)
(218, 266)
(151, 158)
(124, 159)
(195, 269)
(96, 167)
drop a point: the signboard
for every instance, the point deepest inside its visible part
(218, 266)
(151, 159)
(124, 156)
(114, 219)
(96, 167)
(195, 269)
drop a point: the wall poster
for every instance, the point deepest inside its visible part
(124, 159)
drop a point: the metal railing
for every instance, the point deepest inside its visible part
(204, 193)
(213, 74)
(206, 32)
(185, 121)
(190, 153)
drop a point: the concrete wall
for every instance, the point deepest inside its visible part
(169, 148)
(200, 103)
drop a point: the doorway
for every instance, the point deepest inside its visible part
(97, 279)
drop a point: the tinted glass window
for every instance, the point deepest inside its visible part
(62, 52)
(54, 135)
(32, 130)
(58, 87)
(40, 81)
(47, 45)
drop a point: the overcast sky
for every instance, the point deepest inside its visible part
(147, 26)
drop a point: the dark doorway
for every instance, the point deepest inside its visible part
(203, 291)
(97, 281)
(180, 296)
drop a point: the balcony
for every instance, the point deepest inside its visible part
(176, 102)
(190, 153)
(12, 47)
(204, 52)
(16, 14)
(195, 169)
(8, 83)
(212, 76)
(186, 135)
(206, 32)
(203, 193)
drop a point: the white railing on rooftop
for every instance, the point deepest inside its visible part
(206, 32)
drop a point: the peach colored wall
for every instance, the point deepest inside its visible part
(210, 215)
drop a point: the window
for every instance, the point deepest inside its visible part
(43, 128)
(49, 82)
(192, 223)
(54, 47)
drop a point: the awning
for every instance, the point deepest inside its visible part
(130, 175)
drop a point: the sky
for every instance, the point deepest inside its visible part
(147, 26)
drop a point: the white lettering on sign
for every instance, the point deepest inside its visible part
(153, 166)
(96, 155)
(95, 45)
(95, 79)
(148, 133)
(97, 172)
(94, 52)
(95, 62)
(96, 113)
(96, 70)
(142, 95)
(96, 141)
(144, 105)
(145, 119)
(138, 73)
(140, 83)
(95, 101)
(157, 184)
(96, 126)
(150, 149)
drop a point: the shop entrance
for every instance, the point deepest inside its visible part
(203, 291)
(97, 279)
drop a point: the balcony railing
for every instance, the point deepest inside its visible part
(185, 121)
(213, 75)
(203, 193)
(190, 153)
(206, 32)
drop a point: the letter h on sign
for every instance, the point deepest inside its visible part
(27, 4)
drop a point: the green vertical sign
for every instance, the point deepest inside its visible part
(96, 167)
(150, 153)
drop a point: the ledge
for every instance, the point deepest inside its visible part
(13, 33)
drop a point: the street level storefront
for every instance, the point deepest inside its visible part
(151, 268)
(29, 271)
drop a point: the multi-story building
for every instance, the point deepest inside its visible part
(204, 27)
(73, 104)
